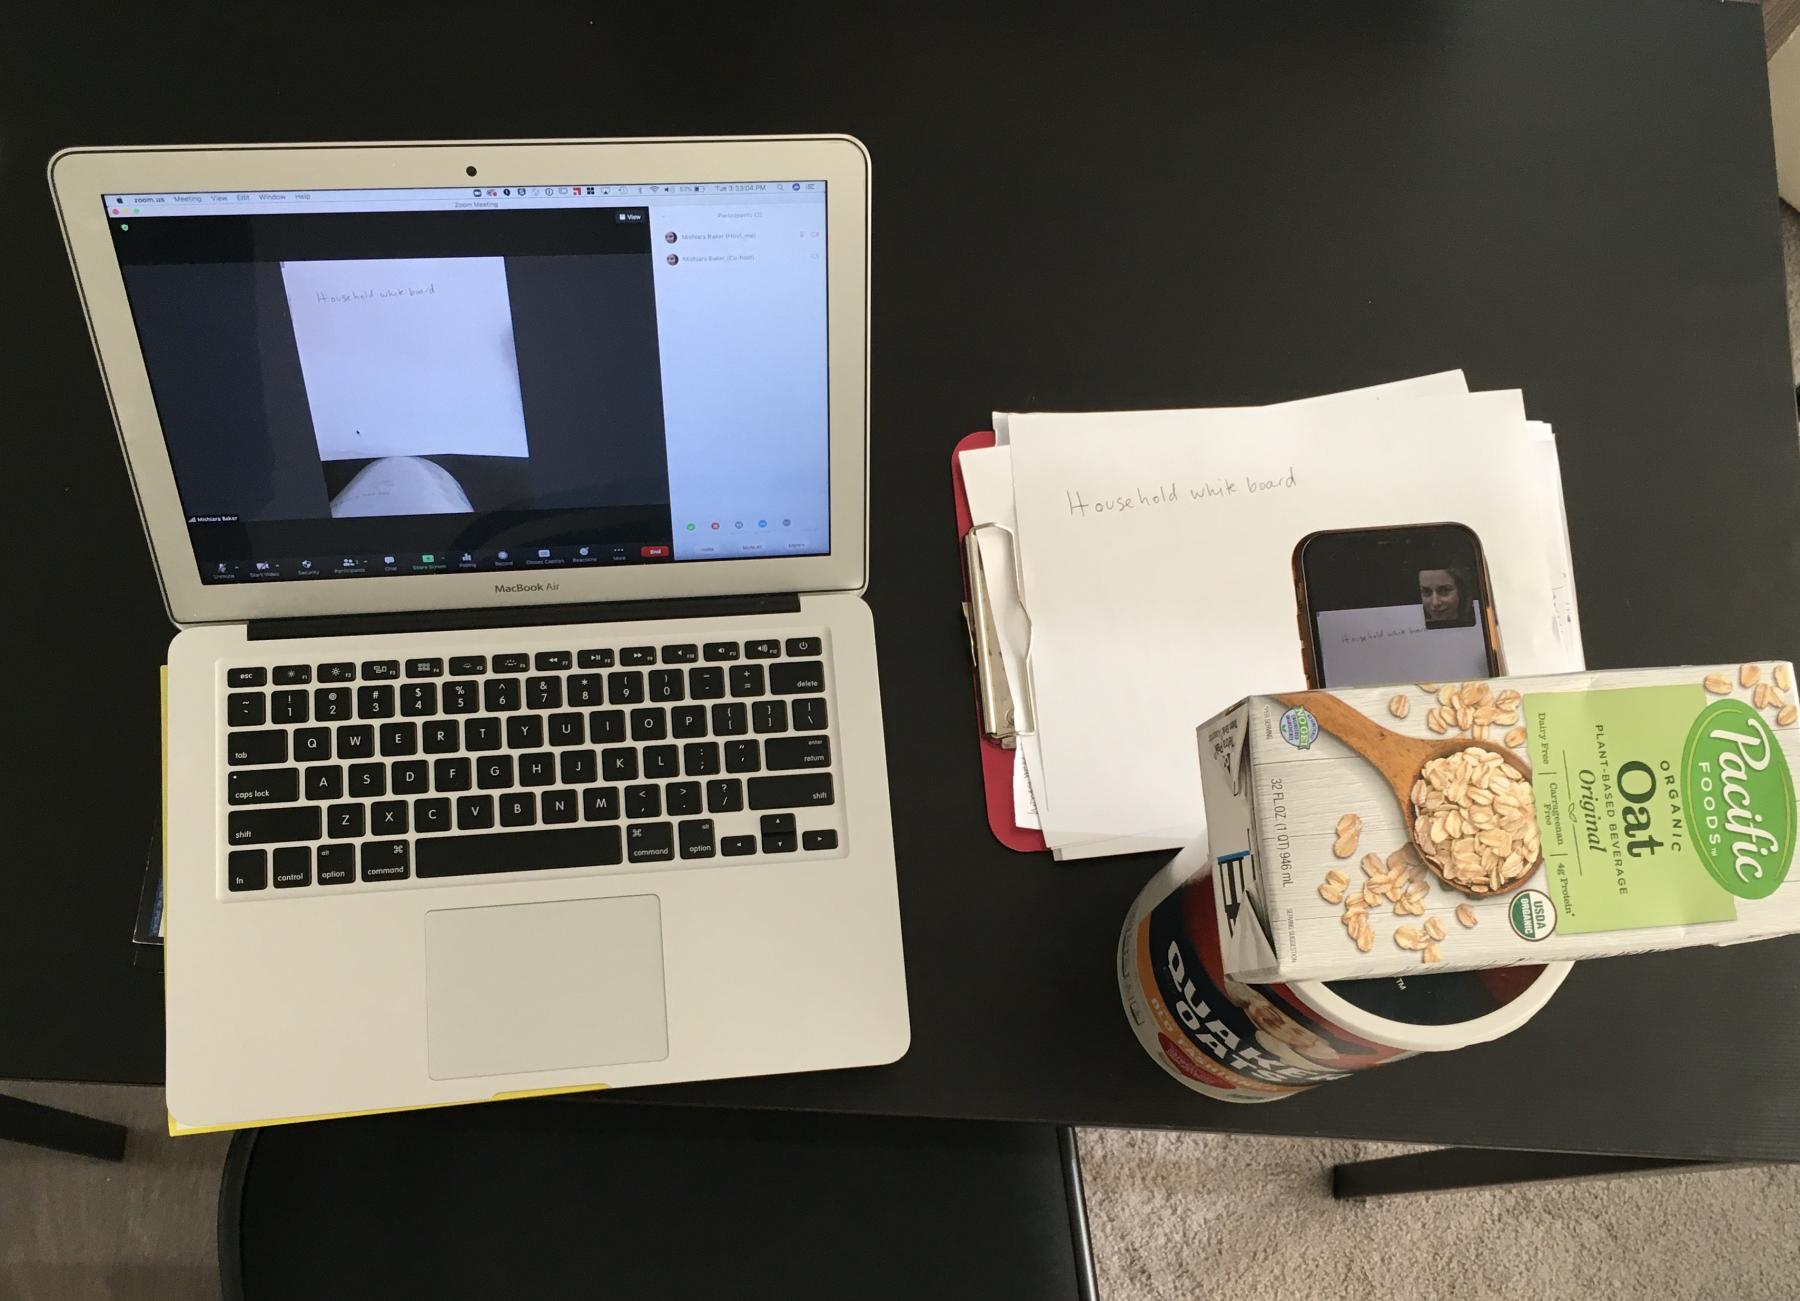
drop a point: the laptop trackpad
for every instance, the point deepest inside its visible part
(544, 986)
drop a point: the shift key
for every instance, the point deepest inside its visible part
(798, 791)
(272, 826)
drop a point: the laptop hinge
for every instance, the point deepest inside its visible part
(695, 607)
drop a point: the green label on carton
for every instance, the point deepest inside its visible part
(1743, 799)
(1616, 777)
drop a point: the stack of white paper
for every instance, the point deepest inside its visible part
(1142, 579)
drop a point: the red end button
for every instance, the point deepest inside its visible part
(653, 553)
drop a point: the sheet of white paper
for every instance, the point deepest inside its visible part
(1025, 813)
(407, 356)
(1358, 645)
(1164, 543)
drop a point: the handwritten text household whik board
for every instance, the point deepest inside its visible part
(1157, 572)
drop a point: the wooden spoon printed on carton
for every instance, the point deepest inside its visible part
(1471, 851)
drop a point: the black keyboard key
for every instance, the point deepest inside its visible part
(500, 695)
(577, 767)
(331, 704)
(367, 781)
(337, 672)
(826, 839)
(794, 792)
(730, 719)
(736, 846)
(547, 661)
(269, 826)
(769, 716)
(247, 869)
(625, 688)
(650, 842)
(600, 804)
(809, 714)
(451, 774)
(720, 650)
(442, 736)
(706, 684)
(650, 724)
(384, 860)
(765, 649)
(337, 864)
(682, 653)
(419, 699)
(595, 659)
(743, 756)
(666, 685)
(512, 663)
(696, 838)
(468, 666)
(797, 678)
(325, 782)
(474, 812)
(494, 772)
(520, 851)
(772, 824)
(387, 818)
(242, 748)
(682, 798)
(537, 769)
(399, 739)
(380, 670)
(427, 668)
(461, 698)
(524, 732)
(662, 761)
(565, 729)
(356, 742)
(606, 726)
(543, 693)
(410, 778)
(481, 734)
(431, 815)
(778, 834)
(246, 677)
(746, 679)
(344, 821)
(246, 709)
(724, 795)
(700, 758)
(290, 707)
(312, 743)
(783, 844)
(559, 806)
(797, 752)
(292, 675)
(643, 801)
(263, 786)
(518, 809)
(375, 702)
(638, 655)
(801, 647)
(686, 721)
(586, 689)
(619, 764)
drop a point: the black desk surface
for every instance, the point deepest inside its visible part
(1229, 204)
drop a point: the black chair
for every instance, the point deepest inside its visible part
(601, 1198)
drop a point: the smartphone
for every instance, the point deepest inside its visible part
(1401, 604)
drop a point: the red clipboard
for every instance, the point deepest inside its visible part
(996, 760)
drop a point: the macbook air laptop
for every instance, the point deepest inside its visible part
(523, 732)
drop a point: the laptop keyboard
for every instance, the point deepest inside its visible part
(343, 774)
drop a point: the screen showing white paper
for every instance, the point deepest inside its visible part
(1392, 643)
(407, 356)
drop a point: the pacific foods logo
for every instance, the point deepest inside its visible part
(1741, 796)
(512, 589)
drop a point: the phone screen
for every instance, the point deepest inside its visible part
(1396, 605)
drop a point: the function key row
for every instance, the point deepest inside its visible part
(290, 675)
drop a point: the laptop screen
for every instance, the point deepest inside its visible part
(493, 378)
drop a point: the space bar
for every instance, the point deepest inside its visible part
(516, 851)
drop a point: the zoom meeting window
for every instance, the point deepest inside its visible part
(362, 382)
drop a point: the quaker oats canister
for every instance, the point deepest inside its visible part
(1256, 1043)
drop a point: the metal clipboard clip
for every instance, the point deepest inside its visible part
(997, 718)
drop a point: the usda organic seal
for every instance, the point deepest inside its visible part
(1532, 915)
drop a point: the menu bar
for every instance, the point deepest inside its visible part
(213, 203)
